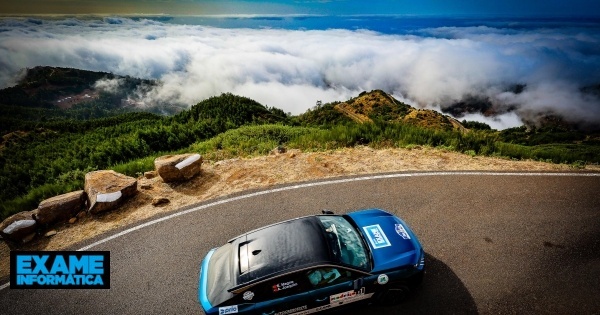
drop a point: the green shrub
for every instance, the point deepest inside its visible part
(471, 153)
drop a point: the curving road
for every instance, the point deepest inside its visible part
(495, 243)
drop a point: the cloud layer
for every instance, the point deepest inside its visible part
(292, 69)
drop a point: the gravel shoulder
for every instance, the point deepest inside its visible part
(225, 177)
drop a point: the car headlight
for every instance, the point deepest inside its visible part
(421, 262)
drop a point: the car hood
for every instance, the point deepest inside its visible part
(392, 243)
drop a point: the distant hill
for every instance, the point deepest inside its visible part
(54, 87)
(53, 94)
(378, 106)
(232, 109)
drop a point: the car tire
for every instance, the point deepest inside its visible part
(416, 280)
(393, 296)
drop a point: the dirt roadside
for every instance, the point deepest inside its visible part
(230, 176)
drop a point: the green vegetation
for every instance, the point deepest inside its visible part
(46, 151)
(323, 115)
(476, 125)
(42, 159)
(548, 135)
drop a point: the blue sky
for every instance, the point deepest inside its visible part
(328, 7)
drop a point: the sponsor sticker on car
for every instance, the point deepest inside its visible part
(228, 310)
(348, 296)
(296, 310)
(335, 300)
(376, 236)
(284, 286)
(402, 231)
(248, 295)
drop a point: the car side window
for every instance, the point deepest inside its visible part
(326, 276)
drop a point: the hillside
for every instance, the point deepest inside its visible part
(47, 151)
(380, 106)
(53, 157)
(47, 86)
(53, 94)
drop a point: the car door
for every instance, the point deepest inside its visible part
(281, 295)
(336, 287)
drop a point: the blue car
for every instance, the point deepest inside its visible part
(312, 264)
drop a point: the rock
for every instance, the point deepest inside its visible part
(60, 208)
(278, 150)
(160, 201)
(145, 186)
(172, 168)
(72, 220)
(50, 233)
(28, 238)
(150, 175)
(81, 215)
(292, 155)
(18, 226)
(107, 189)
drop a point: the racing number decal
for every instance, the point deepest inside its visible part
(376, 236)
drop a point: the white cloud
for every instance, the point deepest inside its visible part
(109, 85)
(293, 69)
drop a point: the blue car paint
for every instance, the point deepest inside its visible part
(202, 282)
(401, 251)
(394, 250)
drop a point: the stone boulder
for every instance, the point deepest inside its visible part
(19, 226)
(172, 168)
(60, 208)
(107, 189)
(159, 201)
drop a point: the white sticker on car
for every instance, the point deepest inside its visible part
(383, 279)
(228, 310)
(284, 286)
(248, 295)
(348, 296)
(402, 231)
(376, 236)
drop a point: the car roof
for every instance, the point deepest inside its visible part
(279, 248)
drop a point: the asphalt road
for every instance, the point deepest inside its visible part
(495, 245)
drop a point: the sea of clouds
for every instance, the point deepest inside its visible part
(292, 69)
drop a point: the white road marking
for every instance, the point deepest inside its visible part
(314, 184)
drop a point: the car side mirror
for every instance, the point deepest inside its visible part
(358, 284)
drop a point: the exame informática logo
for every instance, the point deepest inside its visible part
(60, 270)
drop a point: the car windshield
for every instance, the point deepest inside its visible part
(345, 242)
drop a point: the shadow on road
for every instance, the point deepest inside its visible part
(442, 292)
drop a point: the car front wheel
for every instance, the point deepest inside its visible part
(393, 296)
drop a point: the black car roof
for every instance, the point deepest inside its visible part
(279, 248)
